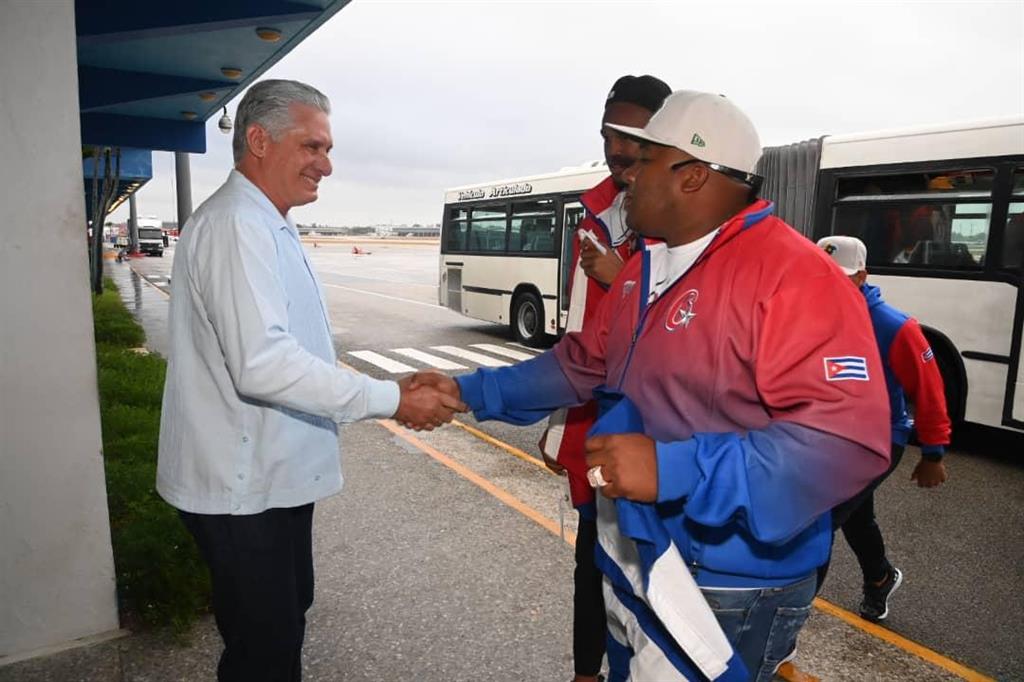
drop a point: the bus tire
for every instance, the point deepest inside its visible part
(954, 375)
(953, 388)
(528, 319)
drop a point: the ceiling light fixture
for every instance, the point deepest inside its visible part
(231, 72)
(188, 115)
(271, 35)
(208, 96)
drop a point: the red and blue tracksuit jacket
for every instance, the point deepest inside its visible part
(757, 375)
(567, 428)
(910, 368)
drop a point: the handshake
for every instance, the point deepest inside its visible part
(428, 400)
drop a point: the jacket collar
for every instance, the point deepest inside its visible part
(741, 222)
(600, 196)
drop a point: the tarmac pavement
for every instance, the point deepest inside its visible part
(440, 560)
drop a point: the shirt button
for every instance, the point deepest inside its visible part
(241, 477)
(237, 507)
(245, 439)
(317, 477)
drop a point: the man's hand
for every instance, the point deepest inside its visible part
(438, 380)
(600, 266)
(628, 463)
(428, 400)
(929, 474)
(551, 464)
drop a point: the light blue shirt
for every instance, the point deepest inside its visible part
(253, 392)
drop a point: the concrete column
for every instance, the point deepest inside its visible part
(183, 180)
(133, 225)
(56, 565)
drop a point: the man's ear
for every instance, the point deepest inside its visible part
(256, 138)
(693, 177)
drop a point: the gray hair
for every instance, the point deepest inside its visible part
(267, 104)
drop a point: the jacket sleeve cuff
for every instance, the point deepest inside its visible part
(678, 473)
(381, 398)
(933, 453)
(471, 387)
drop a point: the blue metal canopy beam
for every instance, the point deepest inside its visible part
(143, 65)
(114, 130)
(97, 20)
(99, 88)
(136, 169)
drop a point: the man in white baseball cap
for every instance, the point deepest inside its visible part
(748, 402)
(849, 253)
(709, 128)
(911, 371)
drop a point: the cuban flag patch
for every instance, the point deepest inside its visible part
(927, 355)
(848, 368)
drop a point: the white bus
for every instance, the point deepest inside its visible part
(506, 249)
(941, 210)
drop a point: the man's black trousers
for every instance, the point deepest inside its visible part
(856, 517)
(862, 532)
(589, 627)
(261, 566)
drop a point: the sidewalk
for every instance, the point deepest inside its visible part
(422, 574)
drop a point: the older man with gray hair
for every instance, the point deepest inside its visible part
(248, 438)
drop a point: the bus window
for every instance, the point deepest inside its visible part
(532, 228)
(1013, 238)
(456, 230)
(487, 228)
(923, 219)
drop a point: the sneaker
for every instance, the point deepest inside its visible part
(875, 606)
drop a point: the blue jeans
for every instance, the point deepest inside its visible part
(762, 623)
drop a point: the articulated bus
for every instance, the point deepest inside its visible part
(941, 210)
(506, 248)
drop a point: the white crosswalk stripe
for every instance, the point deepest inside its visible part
(519, 345)
(421, 357)
(501, 350)
(385, 363)
(429, 359)
(478, 358)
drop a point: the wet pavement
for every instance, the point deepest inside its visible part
(145, 300)
(424, 573)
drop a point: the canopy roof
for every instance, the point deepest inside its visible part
(151, 73)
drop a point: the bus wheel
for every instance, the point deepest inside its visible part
(528, 319)
(952, 386)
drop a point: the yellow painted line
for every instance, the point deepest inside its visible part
(791, 673)
(788, 672)
(891, 637)
(478, 480)
(512, 450)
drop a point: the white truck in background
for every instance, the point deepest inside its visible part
(151, 236)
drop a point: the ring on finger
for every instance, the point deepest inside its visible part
(595, 478)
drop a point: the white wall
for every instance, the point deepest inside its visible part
(56, 567)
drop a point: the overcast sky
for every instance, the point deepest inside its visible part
(429, 95)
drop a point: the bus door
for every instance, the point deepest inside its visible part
(1014, 413)
(1013, 262)
(572, 216)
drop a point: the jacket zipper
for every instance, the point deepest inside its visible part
(647, 306)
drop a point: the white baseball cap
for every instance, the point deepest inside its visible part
(849, 253)
(706, 126)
